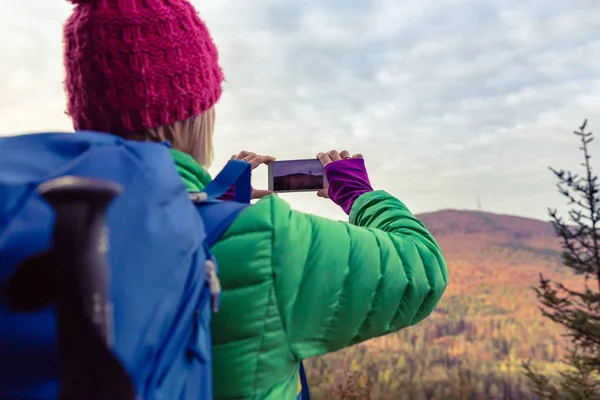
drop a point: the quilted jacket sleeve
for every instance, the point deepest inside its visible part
(340, 283)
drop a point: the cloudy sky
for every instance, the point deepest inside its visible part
(449, 100)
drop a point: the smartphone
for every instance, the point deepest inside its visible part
(297, 176)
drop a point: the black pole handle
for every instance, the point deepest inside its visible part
(79, 246)
(74, 276)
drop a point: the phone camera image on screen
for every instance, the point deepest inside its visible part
(296, 176)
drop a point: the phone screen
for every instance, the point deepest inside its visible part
(296, 176)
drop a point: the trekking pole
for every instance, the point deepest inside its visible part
(78, 277)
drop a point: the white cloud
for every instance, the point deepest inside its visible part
(448, 99)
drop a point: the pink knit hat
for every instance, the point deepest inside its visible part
(138, 64)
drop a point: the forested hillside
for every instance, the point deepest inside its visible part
(487, 324)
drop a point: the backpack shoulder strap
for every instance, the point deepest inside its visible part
(236, 173)
(217, 214)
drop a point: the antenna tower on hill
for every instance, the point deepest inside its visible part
(479, 203)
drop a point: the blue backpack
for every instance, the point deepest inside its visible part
(123, 315)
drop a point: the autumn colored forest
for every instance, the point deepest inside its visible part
(473, 346)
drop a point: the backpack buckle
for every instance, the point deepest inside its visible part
(198, 197)
(214, 284)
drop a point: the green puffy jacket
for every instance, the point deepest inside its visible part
(296, 285)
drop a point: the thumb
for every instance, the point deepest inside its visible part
(323, 193)
(259, 193)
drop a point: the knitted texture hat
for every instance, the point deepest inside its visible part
(132, 65)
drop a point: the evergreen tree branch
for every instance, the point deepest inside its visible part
(576, 311)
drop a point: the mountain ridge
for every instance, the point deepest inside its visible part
(471, 210)
(454, 221)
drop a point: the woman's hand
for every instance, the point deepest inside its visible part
(255, 160)
(330, 157)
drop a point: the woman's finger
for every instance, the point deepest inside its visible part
(335, 156)
(258, 160)
(344, 154)
(324, 158)
(324, 193)
(245, 155)
(358, 155)
(249, 157)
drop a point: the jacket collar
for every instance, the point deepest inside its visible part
(194, 176)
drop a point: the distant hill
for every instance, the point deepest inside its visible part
(486, 325)
(466, 222)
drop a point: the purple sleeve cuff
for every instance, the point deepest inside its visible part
(348, 180)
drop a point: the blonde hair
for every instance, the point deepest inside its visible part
(193, 136)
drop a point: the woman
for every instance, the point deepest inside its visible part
(294, 285)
